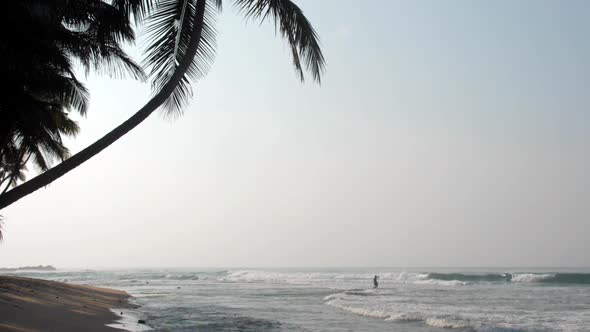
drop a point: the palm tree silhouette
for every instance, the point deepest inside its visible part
(42, 87)
(181, 47)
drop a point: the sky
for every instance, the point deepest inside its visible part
(444, 133)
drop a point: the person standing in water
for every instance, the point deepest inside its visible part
(375, 283)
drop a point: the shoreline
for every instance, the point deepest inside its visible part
(32, 305)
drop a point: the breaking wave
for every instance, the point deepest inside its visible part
(550, 278)
(430, 278)
(444, 322)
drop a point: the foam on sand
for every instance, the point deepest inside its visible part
(128, 321)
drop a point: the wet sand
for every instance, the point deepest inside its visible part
(31, 305)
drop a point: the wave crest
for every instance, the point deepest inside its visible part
(445, 323)
(554, 278)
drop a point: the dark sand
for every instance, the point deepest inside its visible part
(33, 305)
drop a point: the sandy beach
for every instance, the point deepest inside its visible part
(39, 305)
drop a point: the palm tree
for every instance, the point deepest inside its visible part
(181, 34)
(39, 138)
(42, 87)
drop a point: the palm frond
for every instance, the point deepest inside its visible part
(294, 27)
(169, 29)
(63, 89)
(110, 23)
(62, 124)
(96, 44)
(37, 155)
(138, 9)
(77, 95)
(21, 176)
(115, 62)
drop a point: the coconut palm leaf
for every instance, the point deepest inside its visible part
(167, 36)
(91, 31)
(169, 28)
(294, 27)
(137, 9)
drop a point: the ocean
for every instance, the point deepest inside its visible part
(484, 299)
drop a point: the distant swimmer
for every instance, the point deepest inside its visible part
(375, 283)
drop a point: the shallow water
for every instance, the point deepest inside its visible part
(344, 300)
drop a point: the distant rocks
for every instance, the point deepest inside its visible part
(28, 268)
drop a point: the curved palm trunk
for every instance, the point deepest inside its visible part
(56, 172)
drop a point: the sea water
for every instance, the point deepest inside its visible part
(345, 300)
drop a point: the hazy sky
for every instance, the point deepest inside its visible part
(445, 133)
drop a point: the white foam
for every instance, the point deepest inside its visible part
(317, 278)
(398, 317)
(530, 277)
(128, 321)
(441, 282)
(444, 323)
(404, 317)
(360, 311)
(333, 296)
